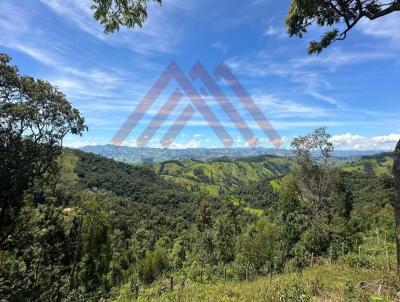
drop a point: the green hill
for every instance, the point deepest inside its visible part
(222, 175)
(372, 165)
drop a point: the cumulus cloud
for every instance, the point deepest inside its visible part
(350, 141)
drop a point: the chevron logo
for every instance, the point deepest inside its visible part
(197, 72)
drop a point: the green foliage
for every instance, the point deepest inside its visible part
(178, 254)
(115, 13)
(203, 216)
(325, 13)
(34, 118)
(260, 250)
(261, 194)
(294, 290)
(153, 265)
(316, 237)
(226, 230)
(27, 271)
(313, 171)
(301, 257)
(96, 250)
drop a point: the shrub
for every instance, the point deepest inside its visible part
(153, 265)
(301, 256)
(294, 290)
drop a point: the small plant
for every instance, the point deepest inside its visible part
(316, 287)
(348, 288)
(376, 298)
(294, 290)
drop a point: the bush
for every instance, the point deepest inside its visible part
(153, 265)
(294, 290)
(301, 256)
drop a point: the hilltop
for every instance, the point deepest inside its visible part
(377, 164)
(135, 155)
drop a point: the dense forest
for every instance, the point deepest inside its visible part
(106, 229)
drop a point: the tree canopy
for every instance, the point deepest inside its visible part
(115, 13)
(34, 118)
(333, 14)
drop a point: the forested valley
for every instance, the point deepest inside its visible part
(81, 227)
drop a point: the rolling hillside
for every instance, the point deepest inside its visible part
(222, 175)
(372, 165)
(225, 175)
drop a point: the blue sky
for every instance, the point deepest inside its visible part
(352, 88)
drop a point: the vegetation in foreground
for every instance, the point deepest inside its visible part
(366, 273)
(337, 282)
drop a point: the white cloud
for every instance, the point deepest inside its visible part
(20, 33)
(262, 64)
(390, 138)
(221, 46)
(335, 57)
(186, 145)
(350, 141)
(160, 33)
(95, 88)
(280, 108)
(273, 30)
(386, 27)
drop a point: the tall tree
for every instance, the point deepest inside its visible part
(396, 174)
(34, 118)
(313, 170)
(328, 13)
(315, 179)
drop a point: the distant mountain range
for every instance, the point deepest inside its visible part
(134, 155)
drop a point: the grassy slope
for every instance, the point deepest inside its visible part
(375, 165)
(337, 282)
(221, 174)
(324, 283)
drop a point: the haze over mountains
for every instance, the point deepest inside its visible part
(135, 155)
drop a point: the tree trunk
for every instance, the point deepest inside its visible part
(396, 175)
(224, 272)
